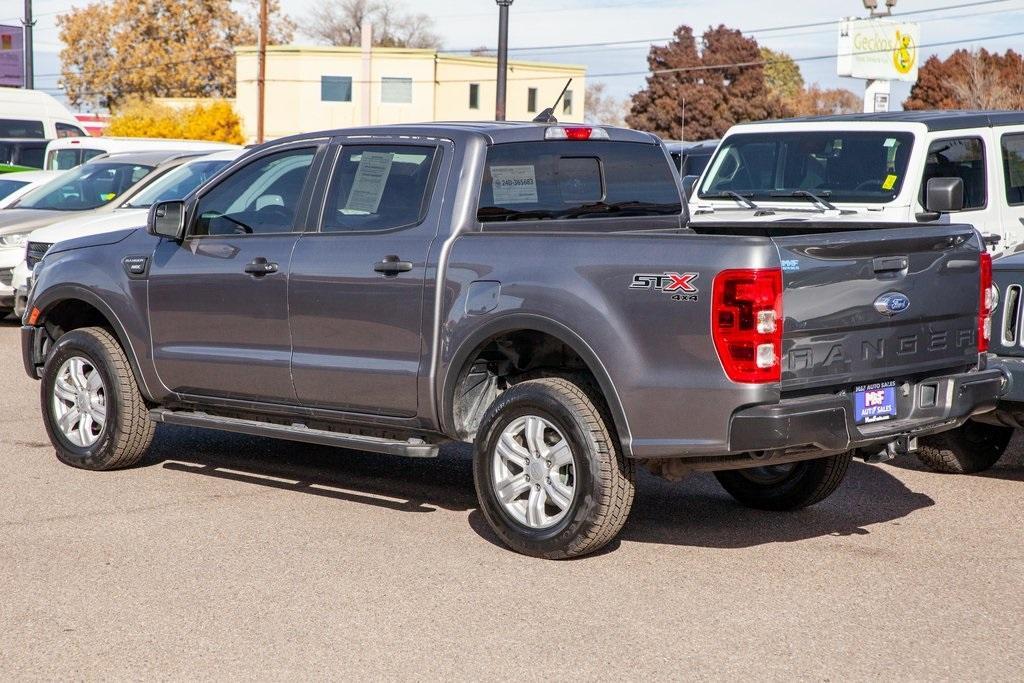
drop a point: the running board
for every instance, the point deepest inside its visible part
(413, 448)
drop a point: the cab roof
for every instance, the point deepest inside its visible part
(932, 120)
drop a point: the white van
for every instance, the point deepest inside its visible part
(62, 155)
(35, 114)
(897, 167)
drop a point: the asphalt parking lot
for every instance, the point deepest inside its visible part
(226, 555)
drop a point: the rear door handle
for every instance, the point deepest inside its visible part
(392, 265)
(260, 266)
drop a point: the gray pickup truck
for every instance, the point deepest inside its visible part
(535, 289)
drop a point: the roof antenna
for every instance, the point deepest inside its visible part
(548, 115)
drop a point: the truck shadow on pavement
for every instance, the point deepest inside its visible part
(695, 512)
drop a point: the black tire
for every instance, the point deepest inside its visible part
(786, 487)
(127, 431)
(603, 477)
(975, 447)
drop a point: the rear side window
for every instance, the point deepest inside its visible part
(577, 179)
(379, 187)
(1013, 168)
(16, 128)
(962, 158)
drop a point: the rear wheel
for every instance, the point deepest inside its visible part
(93, 411)
(975, 447)
(788, 486)
(551, 480)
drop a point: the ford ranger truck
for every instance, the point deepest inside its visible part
(533, 289)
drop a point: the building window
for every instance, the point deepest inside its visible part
(396, 90)
(531, 100)
(567, 103)
(474, 95)
(335, 88)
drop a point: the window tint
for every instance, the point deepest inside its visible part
(531, 100)
(8, 186)
(66, 130)
(176, 183)
(32, 155)
(336, 88)
(260, 198)
(379, 187)
(1013, 168)
(14, 128)
(396, 90)
(962, 158)
(474, 95)
(848, 166)
(577, 179)
(86, 187)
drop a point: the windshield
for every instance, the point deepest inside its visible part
(86, 187)
(8, 186)
(176, 183)
(842, 166)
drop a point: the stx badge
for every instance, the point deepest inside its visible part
(679, 285)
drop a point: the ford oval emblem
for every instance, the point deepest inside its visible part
(891, 303)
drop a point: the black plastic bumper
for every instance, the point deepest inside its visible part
(32, 339)
(826, 423)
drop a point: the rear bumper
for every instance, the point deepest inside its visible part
(819, 425)
(1010, 410)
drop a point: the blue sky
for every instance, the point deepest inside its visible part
(465, 24)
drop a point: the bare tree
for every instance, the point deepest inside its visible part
(604, 108)
(981, 86)
(339, 22)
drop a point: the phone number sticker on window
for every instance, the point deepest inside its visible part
(514, 184)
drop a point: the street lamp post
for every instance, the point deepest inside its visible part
(499, 107)
(876, 92)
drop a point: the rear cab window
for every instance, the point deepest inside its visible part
(577, 179)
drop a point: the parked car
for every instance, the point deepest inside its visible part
(691, 158)
(91, 187)
(26, 154)
(854, 167)
(176, 178)
(67, 154)
(13, 186)
(35, 114)
(534, 289)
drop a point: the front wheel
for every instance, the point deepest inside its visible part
(975, 447)
(94, 413)
(550, 479)
(788, 486)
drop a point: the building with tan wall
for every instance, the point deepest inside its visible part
(316, 88)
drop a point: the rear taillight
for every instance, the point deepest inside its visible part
(986, 304)
(746, 322)
(575, 133)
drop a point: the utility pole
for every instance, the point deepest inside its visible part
(261, 76)
(29, 22)
(499, 107)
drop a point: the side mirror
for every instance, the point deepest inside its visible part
(167, 219)
(944, 195)
(689, 185)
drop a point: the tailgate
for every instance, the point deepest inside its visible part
(878, 305)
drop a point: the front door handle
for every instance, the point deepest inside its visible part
(260, 266)
(392, 265)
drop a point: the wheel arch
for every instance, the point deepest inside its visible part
(473, 345)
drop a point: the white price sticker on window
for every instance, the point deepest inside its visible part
(514, 185)
(368, 185)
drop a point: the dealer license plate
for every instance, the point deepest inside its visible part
(875, 403)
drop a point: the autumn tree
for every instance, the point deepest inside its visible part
(339, 22)
(156, 48)
(970, 80)
(603, 108)
(714, 84)
(817, 101)
(782, 75)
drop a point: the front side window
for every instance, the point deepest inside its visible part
(962, 158)
(86, 187)
(8, 187)
(336, 88)
(66, 130)
(843, 166)
(260, 198)
(17, 128)
(379, 187)
(176, 183)
(396, 90)
(1013, 167)
(576, 179)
